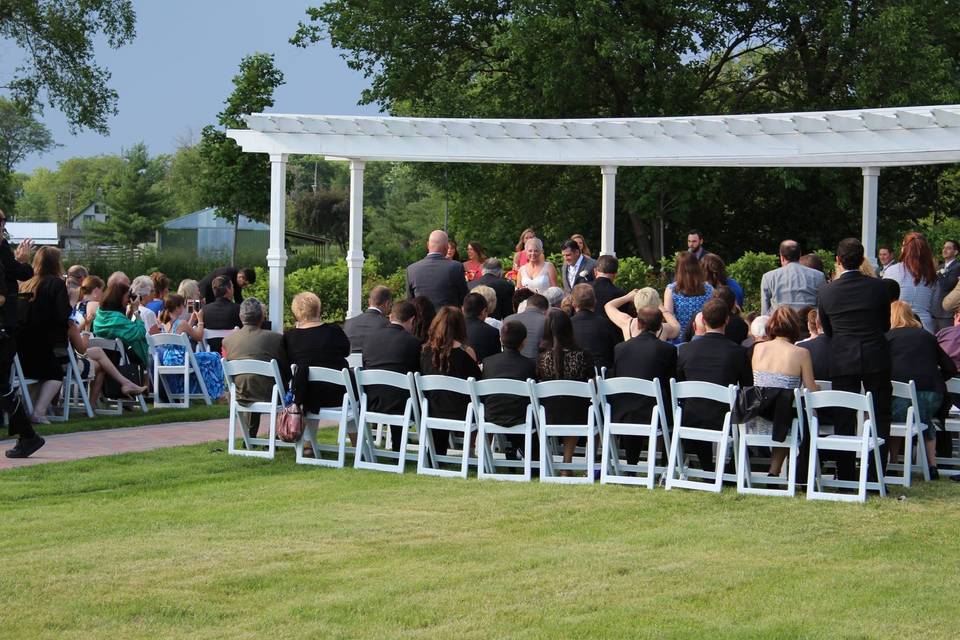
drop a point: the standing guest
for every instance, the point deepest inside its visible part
(142, 288)
(533, 319)
(91, 291)
(560, 358)
(947, 276)
(711, 358)
(222, 314)
(715, 274)
(591, 331)
(253, 342)
(174, 320)
(117, 318)
(241, 278)
(885, 260)
(425, 313)
(314, 343)
(453, 251)
(813, 261)
(916, 274)
(45, 329)
(792, 283)
(161, 289)
(538, 274)
(686, 296)
(491, 297)
(520, 256)
(481, 337)
(439, 279)
(189, 289)
(509, 364)
(818, 344)
(915, 355)
(855, 314)
(476, 256)
(493, 277)
(641, 298)
(604, 288)
(577, 268)
(446, 353)
(359, 327)
(582, 243)
(695, 244)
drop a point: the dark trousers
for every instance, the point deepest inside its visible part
(846, 421)
(19, 421)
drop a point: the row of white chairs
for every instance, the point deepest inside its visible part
(354, 416)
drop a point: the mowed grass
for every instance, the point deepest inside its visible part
(193, 543)
(135, 418)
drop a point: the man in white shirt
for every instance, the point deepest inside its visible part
(885, 259)
(577, 268)
(947, 276)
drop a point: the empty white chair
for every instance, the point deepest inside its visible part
(487, 462)
(865, 443)
(612, 469)
(678, 473)
(428, 460)
(271, 407)
(189, 366)
(213, 334)
(746, 478)
(909, 429)
(368, 455)
(950, 465)
(539, 391)
(345, 415)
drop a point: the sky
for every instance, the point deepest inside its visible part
(175, 75)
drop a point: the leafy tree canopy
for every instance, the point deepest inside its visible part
(20, 135)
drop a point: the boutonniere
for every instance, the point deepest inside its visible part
(582, 274)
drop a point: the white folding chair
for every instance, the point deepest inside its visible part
(355, 360)
(428, 461)
(678, 474)
(864, 443)
(160, 371)
(909, 429)
(271, 407)
(18, 379)
(547, 430)
(214, 334)
(950, 465)
(368, 453)
(345, 416)
(746, 478)
(74, 393)
(115, 344)
(612, 469)
(488, 462)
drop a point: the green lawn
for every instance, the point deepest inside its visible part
(80, 422)
(193, 543)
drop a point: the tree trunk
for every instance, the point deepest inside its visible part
(643, 235)
(233, 249)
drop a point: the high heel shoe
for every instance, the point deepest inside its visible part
(132, 391)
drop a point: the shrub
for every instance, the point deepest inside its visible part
(748, 271)
(634, 273)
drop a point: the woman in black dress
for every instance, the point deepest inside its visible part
(314, 343)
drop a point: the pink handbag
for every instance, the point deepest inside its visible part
(290, 423)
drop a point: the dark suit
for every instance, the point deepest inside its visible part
(605, 291)
(644, 356)
(855, 313)
(945, 284)
(595, 334)
(391, 348)
(819, 349)
(507, 411)
(534, 320)
(206, 285)
(484, 339)
(442, 281)
(359, 327)
(710, 358)
(586, 267)
(219, 315)
(504, 290)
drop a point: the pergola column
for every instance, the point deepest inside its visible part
(871, 183)
(355, 247)
(277, 254)
(607, 204)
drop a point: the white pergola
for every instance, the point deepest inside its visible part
(865, 138)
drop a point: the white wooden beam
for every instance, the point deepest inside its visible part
(355, 245)
(277, 253)
(871, 185)
(607, 210)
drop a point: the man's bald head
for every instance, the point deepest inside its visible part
(117, 277)
(437, 242)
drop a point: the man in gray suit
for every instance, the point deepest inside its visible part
(442, 281)
(359, 327)
(533, 318)
(792, 284)
(577, 268)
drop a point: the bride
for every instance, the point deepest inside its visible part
(537, 274)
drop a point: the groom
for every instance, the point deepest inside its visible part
(577, 268)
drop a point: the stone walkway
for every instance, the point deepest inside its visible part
(88, 444)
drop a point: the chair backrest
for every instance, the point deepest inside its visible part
(172, 339)
(634, 386)
(270, 369)
(838, 399)
(443, 383)
(903, 390)
(381, 378)
(703, 391)
(565, 388)
(340, 378)
(825, 385)
(953, 385)
(500, 386)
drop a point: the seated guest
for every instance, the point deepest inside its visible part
(591, 331)
(117, 318)
(142, 289)
(554, 296)
(252, 342)
(818, 344)
(813, 261)
(737, 330)
(222, 314)
(519, 297)
(239, 278)
(951, 301)
(393, 348)
(161, 289)
(174, 319)
(711, 358)
(758, 330)
(359, 327)
(604, 288)
(493, 277)
(560, 358)
(91, 291)
(915, 355)
(643, 356)
(426, 312)
(314, 343)
(74, 277)
(118, 276)
(190, 290)
(949, 339)
(95, 360)
(446, 353)
(507, 411)
(484, 339)
(533, 319)
(646, 297)
(491, 297)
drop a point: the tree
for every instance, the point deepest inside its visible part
(323, 212)
(57, 38)
(233, 181)
(182, 182)
(58, 195)
(20, 135)
(135, 208)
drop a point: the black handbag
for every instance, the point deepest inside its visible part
(130, 371)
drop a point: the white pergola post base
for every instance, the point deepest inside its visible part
(608, 201)
(871, 184)
(355, 248)
(277, 253)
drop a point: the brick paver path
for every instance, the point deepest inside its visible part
(88, 444)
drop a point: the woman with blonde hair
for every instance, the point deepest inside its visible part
(314, 343)
(582, 243)
(538, 274)
(916, 273)
(641, 298)
(190, 290)
(520, 254)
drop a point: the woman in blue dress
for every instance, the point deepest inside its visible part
(174, 319)
(686, 295)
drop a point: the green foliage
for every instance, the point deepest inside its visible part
(57, 38)
(828, 257)
(135, 208)
(634, 273)
(182, 182)
(748, 270)
(57, 195)
(20, 135)
(324, 213)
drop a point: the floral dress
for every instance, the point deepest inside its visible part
(211, 368)
(686, 308)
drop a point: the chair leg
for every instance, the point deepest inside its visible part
(813, 467)
(652, 458)
(864, 465)
(672, 457)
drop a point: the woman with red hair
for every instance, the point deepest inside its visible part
(916, 273)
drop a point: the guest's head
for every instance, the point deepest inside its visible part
(161, 284)
(425, 315)
(783, 323)
(172, 308)
(949, 252)
(116, 297)
(538, 302)
(447, 329)
(77, 273)
(758, 328)
(118, 276)
(689, 280)
(802, 315)
(725, 293)
(649, 319)
(694, 240)
(520, 296)
(584, 298)
(474, 306)
(571, 252)
(812, 261)
(813, 322)
(489, 295)
(493, 267)
(189, 289)
(512, 335)
(380, 298)
(246, 277)
(251, 313)
(437, 242)
(866, 268)
(566, 305)
(582, 243)
(849, 254)
(404, 314)
(534, 250)
(91, 288)
(917, 257)
(46, 262)
(305, 307)
(554, 296)
(453, 252)
(142, 287)
(789, 251)
(475, 252)
(607, 267)
(222, 287)
(524, 236)
(893, 289)
(714, 270)
(884, 255)
(901, 315)
(715, 314)
(646, 297)
(557, 334)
